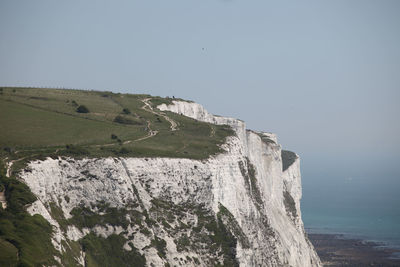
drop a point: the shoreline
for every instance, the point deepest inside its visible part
(337, 250)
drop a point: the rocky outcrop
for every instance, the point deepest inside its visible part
(235, 208)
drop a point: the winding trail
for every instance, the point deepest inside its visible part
(151, 134)
(212, 131)
(149, 108)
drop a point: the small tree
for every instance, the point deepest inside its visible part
(123, 150)
(82, 109)
(8, 149)
(75, 150)
(124, 120)
(126, 111)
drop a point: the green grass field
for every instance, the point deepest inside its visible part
(37, 122)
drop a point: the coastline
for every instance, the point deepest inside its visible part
(337, 250)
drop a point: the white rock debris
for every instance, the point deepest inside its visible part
(257, 202)
(3, 200)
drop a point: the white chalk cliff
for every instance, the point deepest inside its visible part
(245, 188)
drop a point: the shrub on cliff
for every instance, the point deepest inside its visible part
(124, 120)
(82, 109)
(126, 111)
(76, 150)
(110, 251)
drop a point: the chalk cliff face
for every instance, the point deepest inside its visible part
(235, 208)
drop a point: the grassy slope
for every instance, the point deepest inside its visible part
(25, 126)
(40, 122)
(24, 239)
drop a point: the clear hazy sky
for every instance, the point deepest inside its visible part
(323, 75)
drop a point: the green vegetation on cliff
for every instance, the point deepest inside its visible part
(38, 123)
(50, 122)
(109, 252)
(25, 240)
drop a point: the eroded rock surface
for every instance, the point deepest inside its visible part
(236, 208)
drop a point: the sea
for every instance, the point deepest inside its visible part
(365, 206)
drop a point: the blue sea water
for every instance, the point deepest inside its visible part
(365, 207)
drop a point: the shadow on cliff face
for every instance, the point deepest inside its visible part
(288, 158)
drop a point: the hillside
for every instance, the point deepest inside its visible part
(39, 122)
(104, 179)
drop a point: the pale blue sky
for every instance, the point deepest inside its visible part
(323, 75)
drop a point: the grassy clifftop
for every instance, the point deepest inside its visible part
(39, 122)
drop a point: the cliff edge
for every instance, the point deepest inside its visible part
(237, 208)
